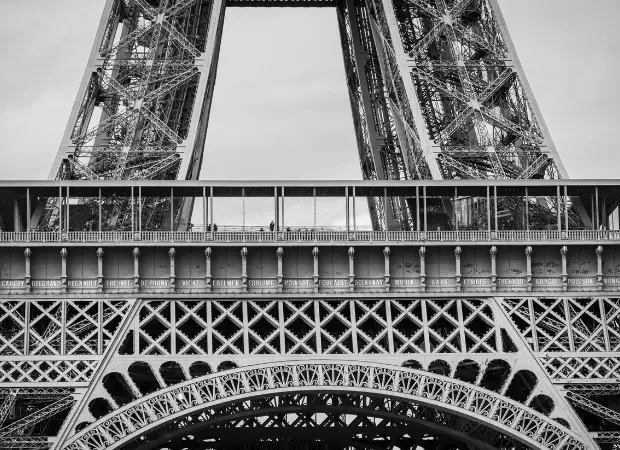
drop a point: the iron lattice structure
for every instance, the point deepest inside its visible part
(436, 92)
(113, 338)
(331, 338)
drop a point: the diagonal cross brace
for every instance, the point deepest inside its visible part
(588, 405)
(7, 404)
(18, 427)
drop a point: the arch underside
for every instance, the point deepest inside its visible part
(270, 403)
(324, 420)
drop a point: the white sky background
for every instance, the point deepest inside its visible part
(281, 109)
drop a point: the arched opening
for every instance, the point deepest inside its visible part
(199, 368)
(143, 377)
(172, 373)
(440, 367)
(412, 364)
(562, 422)
(467, 371)
(495, 375)
(543, 404)
(98, 408)
(118, 388)
(226, 365)
(258, 393)
(522, 384)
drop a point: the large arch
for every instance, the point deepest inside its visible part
(242, 385)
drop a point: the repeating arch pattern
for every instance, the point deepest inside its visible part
(126, 423)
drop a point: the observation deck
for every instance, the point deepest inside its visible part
(264, 237)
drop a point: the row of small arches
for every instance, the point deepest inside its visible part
(497, 376)
(144, 379)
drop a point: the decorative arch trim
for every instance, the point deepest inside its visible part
(460, 398)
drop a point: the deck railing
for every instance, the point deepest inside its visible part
(315, 236)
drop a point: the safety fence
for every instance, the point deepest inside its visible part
(233, 235)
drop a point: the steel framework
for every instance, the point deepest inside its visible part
(396, 337)
(435, 86)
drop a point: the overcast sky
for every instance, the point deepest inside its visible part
(281, 109)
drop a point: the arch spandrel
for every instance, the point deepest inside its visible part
(210, 391)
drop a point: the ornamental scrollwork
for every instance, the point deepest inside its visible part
(202, 394)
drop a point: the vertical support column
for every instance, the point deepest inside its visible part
(133, 214)
(347, 220)
(425, 209)
(558, 210)
(454, 215)
(354, 345)
(493, 253)
(280, 255)
(457, 273)
(63, 270)
(68, 220)
(386, 272)
(208, 282)
(495, 208)
(27, 277)
(136, 269)
(100, 269)
(597, 216)
(563, 252)
(28, 213)
(417, 209)
(566, 226)
(60, 213)
(100, 219)
(527, 210)
(243, 209)
(282, 208)
(390, 325)
(599, 268)
(528, 268)
(205, 212)
(244, 269)
(385, 209)
(140, 211)
(315, 274)
(351, 253)
(489, 210)
(314, 215)
(212, 215)
(276, 210)
(173, 278)
(354, 216)
(282, 326)
(422, 253)
(317, 321)
(171, 209)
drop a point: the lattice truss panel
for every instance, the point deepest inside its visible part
(140, 96)
(222, 327)
(561, 328)
(471, 91)
(424, 399)
(28, 414)
(34, 333)
(139, 113)
(577, 339)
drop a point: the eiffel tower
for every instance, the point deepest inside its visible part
(465, 295)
